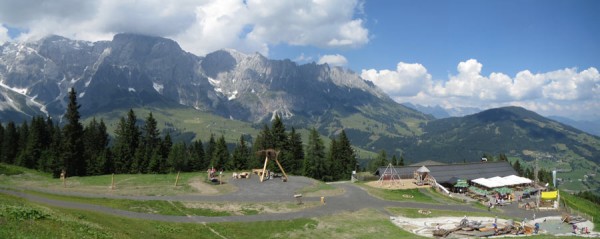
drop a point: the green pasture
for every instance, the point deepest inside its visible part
(22, 219)
(200, 123)
(583, 207)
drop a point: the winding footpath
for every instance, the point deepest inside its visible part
(353, 199)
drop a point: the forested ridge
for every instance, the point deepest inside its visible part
(80, 150)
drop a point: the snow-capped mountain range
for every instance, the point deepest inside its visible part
(135, 70)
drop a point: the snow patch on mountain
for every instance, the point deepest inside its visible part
(158, 87)
(21, 91)
(233, 95)
(213, 82)
(41, 106)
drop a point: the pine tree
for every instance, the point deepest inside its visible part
(197, 157)
(277, 134)
(263, 141)
(380, 161)
(221, 158)
(280, 143)
(210, 151)
(52, 158)
(150, 139)
(35, 143)
(73, 148)
(95, 139)
(394, 160)
(165, 150)
(241, 155)
(517, 166)
(254, 161)
(154, 164)
(23, 131)
(347, 155)
(176, 158)
(334, 165)
(296, 152)
(314, 161)
(44, 163)
(267, 136)
(401, 163)
(10, 146)
(127, 137)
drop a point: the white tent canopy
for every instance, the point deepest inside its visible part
(496, 182)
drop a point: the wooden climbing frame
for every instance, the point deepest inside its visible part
(269, 154)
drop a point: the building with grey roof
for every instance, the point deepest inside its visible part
(446, 174)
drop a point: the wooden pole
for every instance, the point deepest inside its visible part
(280, 167)
(177, 179)
(112, 183)
(63, 177)
(264, 168)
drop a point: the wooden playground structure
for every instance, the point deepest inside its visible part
(273, 155)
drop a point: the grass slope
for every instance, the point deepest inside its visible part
(21, 219)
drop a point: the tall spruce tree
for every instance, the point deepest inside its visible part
(334, 164)
(254, 161)
(52, 158)
(127, 137)
(150, 140)
(10, 145)
(315, 161)
(280, 143)
(23, 131)
(401, 163)
(165, 150)
(73, 148)
(241, 155)
(277, 134)
(197, 157)
(221, 158)
(347, 156)
(35, 144)
(210, 151)
(176, 158)
(95, 140)
(380, 161)
(296, 152)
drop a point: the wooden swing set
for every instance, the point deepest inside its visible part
(270, 154)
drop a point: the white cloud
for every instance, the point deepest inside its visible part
(4, 37)
(199, 26)
(334, 60)
(566, 92)
(302, 58)
(407, 80)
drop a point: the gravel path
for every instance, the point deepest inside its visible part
(354, 198)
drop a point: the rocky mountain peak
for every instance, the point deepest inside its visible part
(135, 70)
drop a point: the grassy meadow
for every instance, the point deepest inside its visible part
(22, 219)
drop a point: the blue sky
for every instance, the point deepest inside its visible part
(541, 55)
(506, 36)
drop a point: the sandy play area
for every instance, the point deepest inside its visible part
(396, 184)
(426, 226)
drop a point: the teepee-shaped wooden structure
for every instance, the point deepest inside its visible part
(390, 175)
